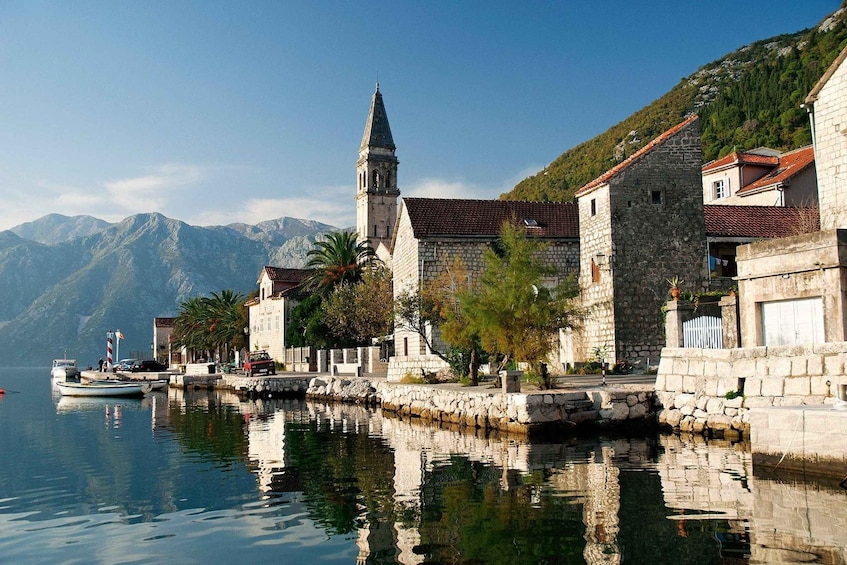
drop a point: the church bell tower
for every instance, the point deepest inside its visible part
(376, 171)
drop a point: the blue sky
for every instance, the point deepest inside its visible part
(219, 112)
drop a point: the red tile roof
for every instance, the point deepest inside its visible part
(605, 177)
(433, 217)
(790, 165)
(736, 158)
(279, 274)
(758, 221)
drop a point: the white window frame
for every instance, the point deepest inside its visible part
(720, 189)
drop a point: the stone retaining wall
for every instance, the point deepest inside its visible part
(692, 384)
(491, 409)
(273, 386)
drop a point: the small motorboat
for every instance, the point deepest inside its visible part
(64, 369)
(104, 388)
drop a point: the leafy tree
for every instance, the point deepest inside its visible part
(308, 325)
(337, 259)
(515, 314)
(357, 312)
(442, 297)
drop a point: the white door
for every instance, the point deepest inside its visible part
(792, 322)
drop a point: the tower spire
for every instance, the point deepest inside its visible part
(376, 169)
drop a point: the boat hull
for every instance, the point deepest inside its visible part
(104, 389)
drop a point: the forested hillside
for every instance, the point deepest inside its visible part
(745, 100)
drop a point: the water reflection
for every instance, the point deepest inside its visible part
(211, 477)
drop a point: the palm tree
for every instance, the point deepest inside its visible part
(207, 324)
(338, 259)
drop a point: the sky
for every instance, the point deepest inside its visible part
(220, 112)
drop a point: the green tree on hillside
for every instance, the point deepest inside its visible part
(747, 99)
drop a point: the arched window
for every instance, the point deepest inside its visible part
(375, 182)
(387, 180)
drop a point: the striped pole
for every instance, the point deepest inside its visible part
(109, 350)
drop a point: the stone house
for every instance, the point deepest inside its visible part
(270, 311)
(431, 232)
(640, 223)
(762, 177)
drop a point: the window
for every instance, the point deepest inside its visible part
(593, 206)
(595, 272)
(719, 189)
(656, 197)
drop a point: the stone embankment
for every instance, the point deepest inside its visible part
(489, 408)
(711, 391)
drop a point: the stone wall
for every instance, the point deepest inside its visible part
(483, 408)
(692, 384)
(800, 439)
(259, 386)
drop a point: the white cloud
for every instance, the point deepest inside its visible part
(151, 192)
(331, 205)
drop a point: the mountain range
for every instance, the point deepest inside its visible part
(65, 281)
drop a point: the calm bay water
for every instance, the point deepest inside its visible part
(205, 477)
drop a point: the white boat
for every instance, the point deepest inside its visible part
(64, 369)
(155, 385)
(104, 388)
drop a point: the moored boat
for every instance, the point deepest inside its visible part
(104, 388)
(155, 384)
(64, 369)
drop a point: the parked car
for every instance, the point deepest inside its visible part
(259, 363)
(124, 364)
(147, 366)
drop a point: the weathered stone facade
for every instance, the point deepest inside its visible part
(640, 224)
(827, 103)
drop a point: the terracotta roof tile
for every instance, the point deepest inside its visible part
(433, 217)
(279, 274)
(790, 164)
(736, 158)
(756, 221)
(605, 177)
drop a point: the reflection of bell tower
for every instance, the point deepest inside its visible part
(377, 192)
